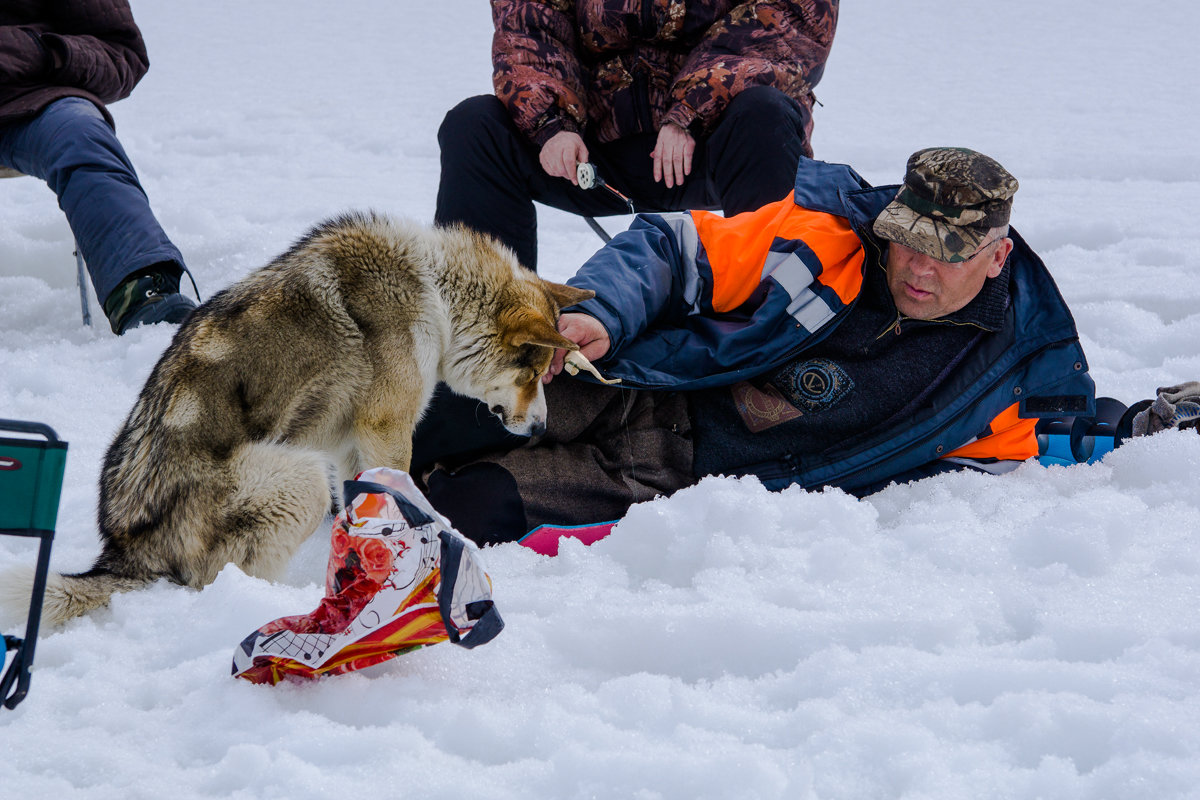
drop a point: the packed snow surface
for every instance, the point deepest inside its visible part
(1035, 635)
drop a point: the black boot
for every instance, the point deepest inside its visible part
(146, 297)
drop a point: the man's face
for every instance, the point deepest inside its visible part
(925, 288)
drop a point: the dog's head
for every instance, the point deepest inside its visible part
(504, 366)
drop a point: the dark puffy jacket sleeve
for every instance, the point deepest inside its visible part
(99, 47)
(537, 74)
(23, 59)
(779, 43)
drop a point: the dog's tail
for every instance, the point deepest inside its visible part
(67, 596)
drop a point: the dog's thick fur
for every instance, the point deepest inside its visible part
(309, 370)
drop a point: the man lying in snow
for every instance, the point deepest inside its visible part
(844, 336)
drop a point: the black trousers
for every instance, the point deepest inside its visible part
(491, 175)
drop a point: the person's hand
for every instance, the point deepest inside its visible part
(561, 153)
(673, 155)
(585, 331)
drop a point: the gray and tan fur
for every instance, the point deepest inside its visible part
(309, 370)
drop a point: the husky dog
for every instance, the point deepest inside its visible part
(310, 370)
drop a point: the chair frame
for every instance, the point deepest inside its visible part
(80, 266)
(31, 472)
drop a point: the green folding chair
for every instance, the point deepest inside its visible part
(31, 475)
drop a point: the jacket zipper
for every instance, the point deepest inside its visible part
(641, 99)
(641, 82)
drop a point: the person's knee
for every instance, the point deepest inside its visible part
(481, 500)
(74, 134)
(763, 108)
(73, 119)
(753, 151)
(471, 120)
(73, 108)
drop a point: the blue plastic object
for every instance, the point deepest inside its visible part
(1095, 437)
(1054, 441)
(1064, 441)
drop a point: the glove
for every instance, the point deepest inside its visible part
(1175, 407)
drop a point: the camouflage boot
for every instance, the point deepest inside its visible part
(147, 297)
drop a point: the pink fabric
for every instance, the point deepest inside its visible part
(545, 538)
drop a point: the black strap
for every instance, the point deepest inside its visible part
(488, 622)
(412, 515)
(595, 226)
(487, 619)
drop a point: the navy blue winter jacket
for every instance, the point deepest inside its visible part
(695, 300)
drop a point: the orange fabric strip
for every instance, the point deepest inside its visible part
(1012, 438)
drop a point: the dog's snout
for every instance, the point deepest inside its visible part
(498, 410)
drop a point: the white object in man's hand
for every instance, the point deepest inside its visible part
(585, 331)
(561, 153)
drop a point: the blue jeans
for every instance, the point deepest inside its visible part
(71, 147)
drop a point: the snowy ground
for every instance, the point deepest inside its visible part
(1029, 636)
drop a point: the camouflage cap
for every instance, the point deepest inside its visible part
(950, 199)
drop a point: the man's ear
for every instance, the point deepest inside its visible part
(529, 327)
(566, 296)
(999, 257)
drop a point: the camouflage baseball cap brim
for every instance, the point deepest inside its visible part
(933, 237)
(951, 198)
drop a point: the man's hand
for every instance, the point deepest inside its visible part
(561, 153)
(585, 331)
(673, 155)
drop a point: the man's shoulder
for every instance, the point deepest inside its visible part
(838, 189)
(1031, 278)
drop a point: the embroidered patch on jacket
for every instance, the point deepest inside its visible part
(813, 385)
(762, 409)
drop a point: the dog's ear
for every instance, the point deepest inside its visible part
(530, 327)
(565, 296)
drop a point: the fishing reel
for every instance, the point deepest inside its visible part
(588, 177)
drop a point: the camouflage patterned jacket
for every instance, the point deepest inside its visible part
(619, 67)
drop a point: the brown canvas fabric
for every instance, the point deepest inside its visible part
(605, 449)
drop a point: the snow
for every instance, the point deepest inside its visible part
(1026, 636)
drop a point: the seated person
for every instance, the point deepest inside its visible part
(708, 106)
(845, 336)
(59, 64)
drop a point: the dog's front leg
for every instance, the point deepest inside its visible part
(384, 426)
(384, 442)
(392, 403)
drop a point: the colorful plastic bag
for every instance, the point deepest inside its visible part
(399, 578)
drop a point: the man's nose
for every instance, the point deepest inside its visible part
(922, 264)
